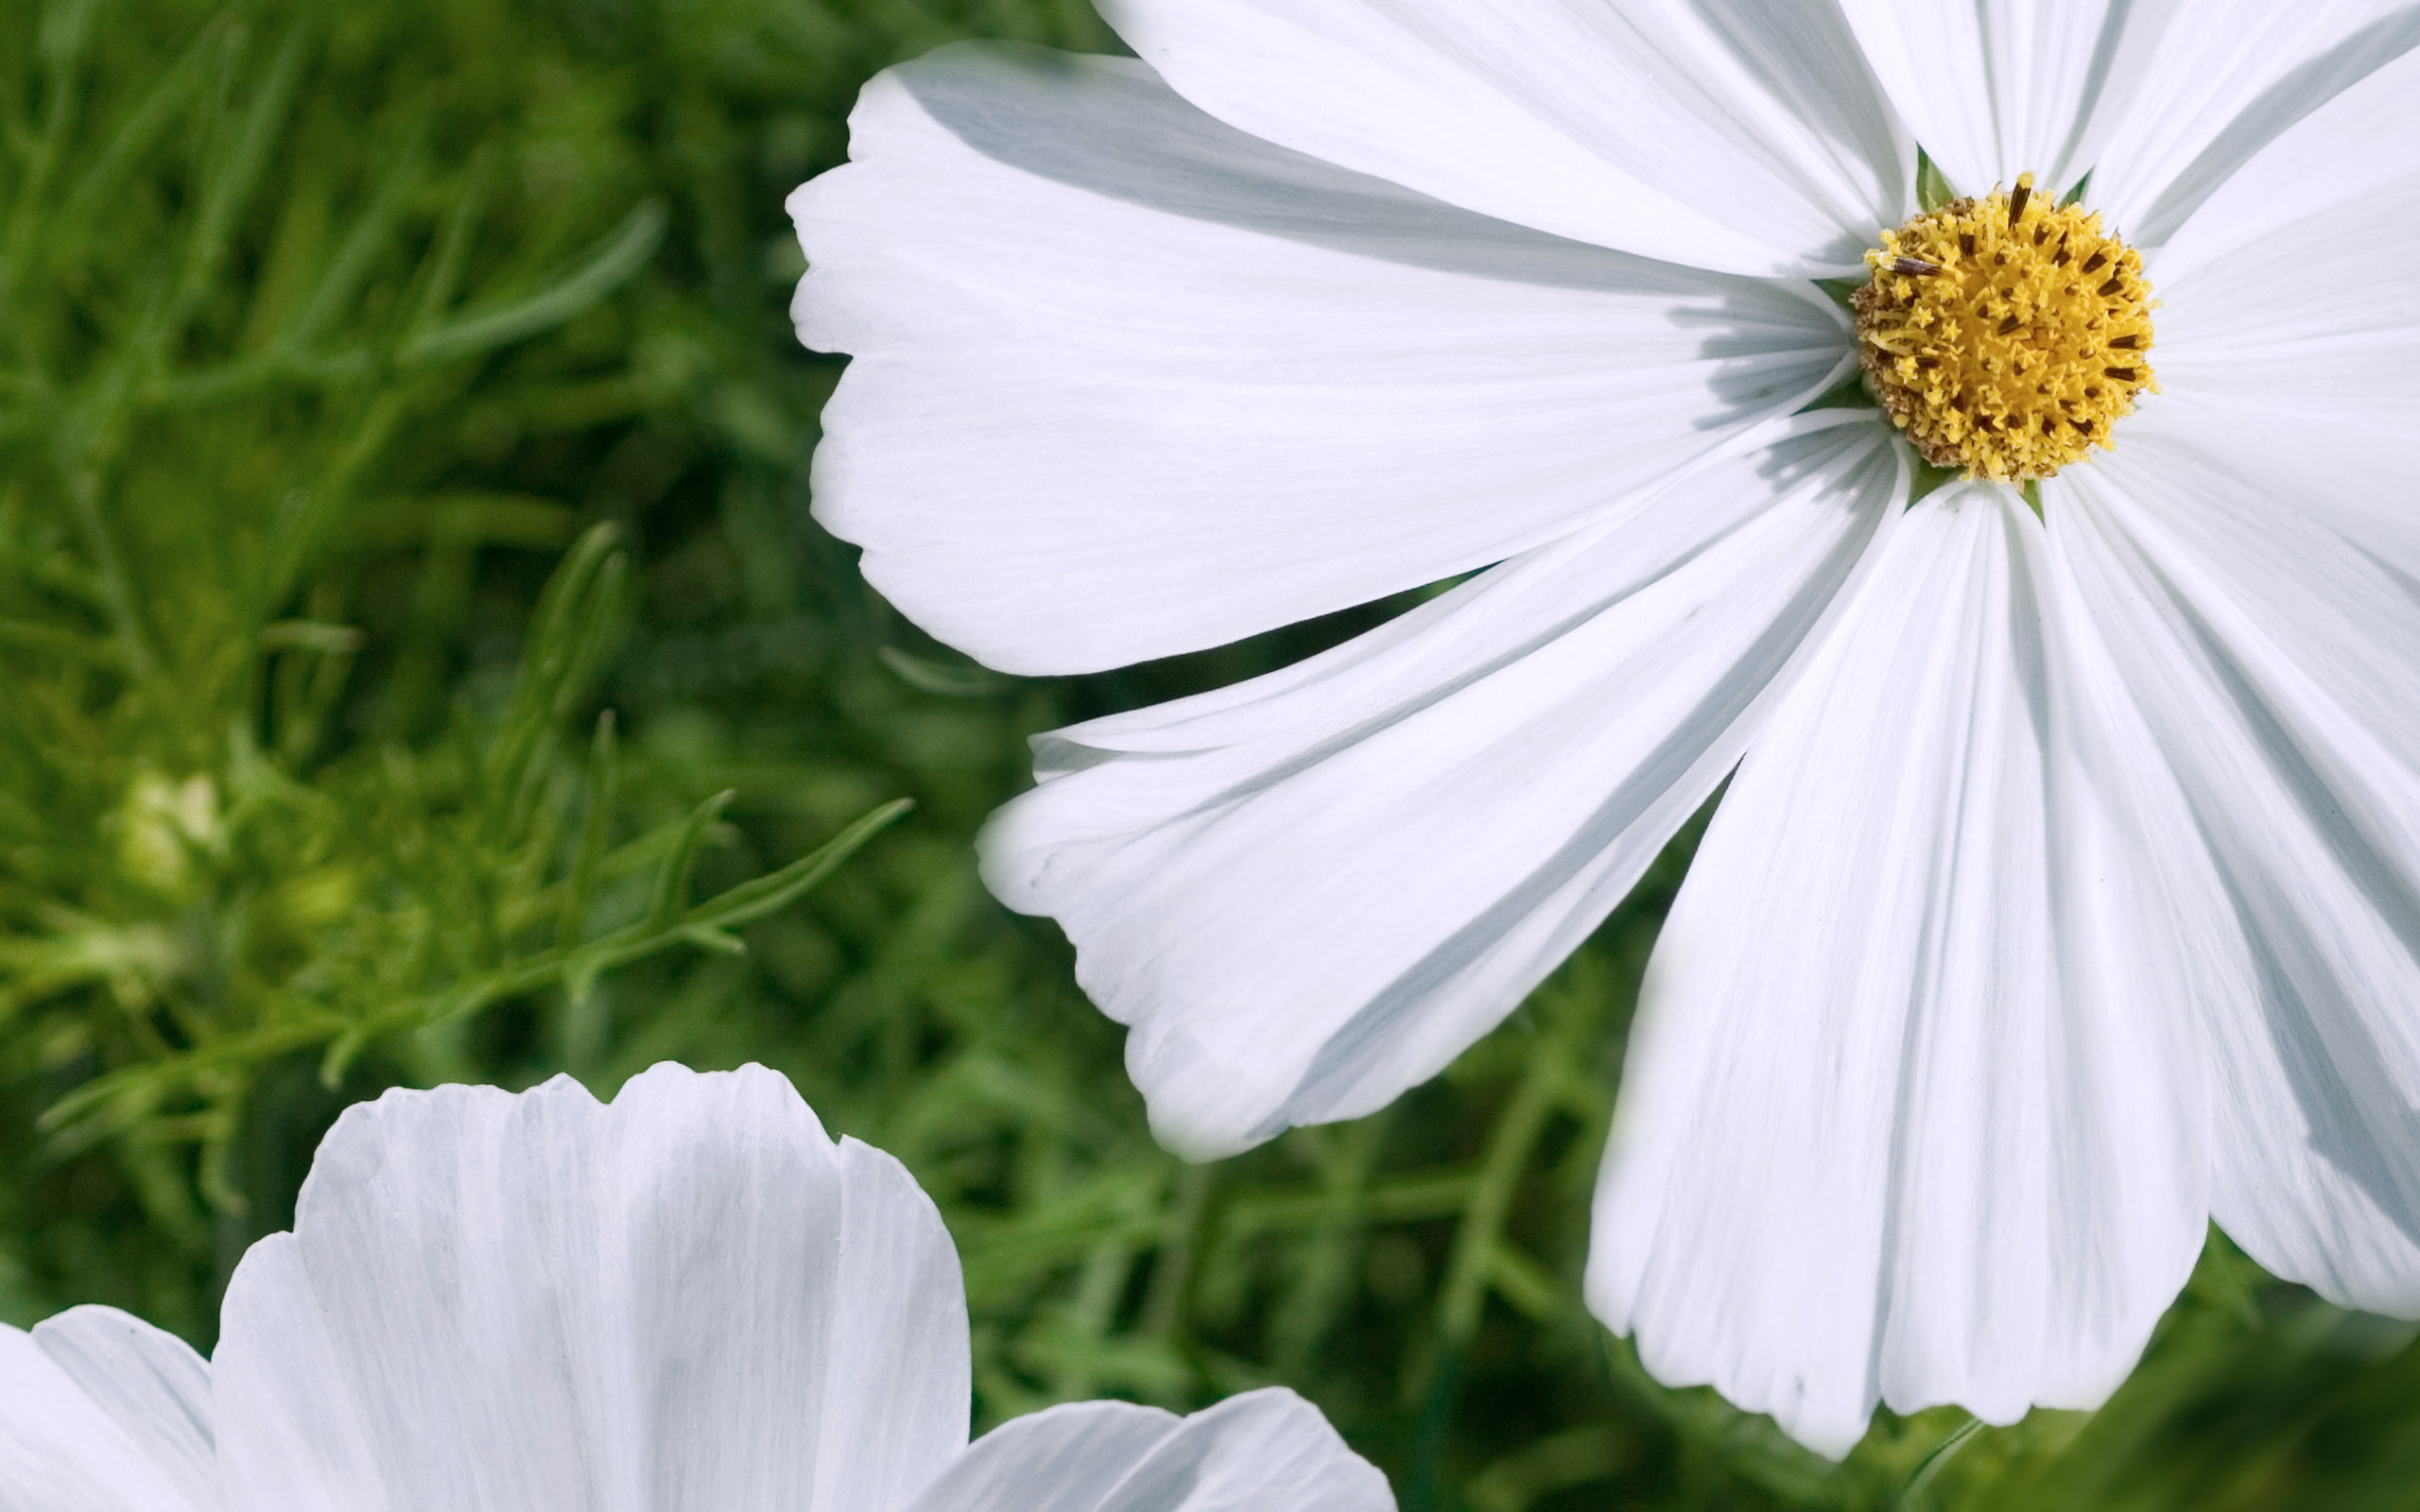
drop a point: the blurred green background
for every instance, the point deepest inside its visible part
(417, 664)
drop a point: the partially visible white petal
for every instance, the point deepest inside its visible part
(2223, 85)
(1262, 1452)
(2293, 292)
(1127, 382)
(1066, 1458)
(691, 1301)
(1745, 135)
(150, 1383)
(1310, 891)
(1996, 87)
(1912, 1109)
(292, 1437)
(2266, 609)
(100, 1412)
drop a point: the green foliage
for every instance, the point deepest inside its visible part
(418, 665)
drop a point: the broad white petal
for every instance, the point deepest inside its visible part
(2266, 609)
(1911, 1111)
(2294, 291)
(1996, 87)
(1128, 381)
(1265, 1451)
(1310, 891)
(100, 1412)
(1745, 135)
(691, 1301)
(2225, 81)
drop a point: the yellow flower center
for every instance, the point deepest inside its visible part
(2005, 334)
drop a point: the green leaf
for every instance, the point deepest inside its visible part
(595, 827)
(672, 880)
(632, 247)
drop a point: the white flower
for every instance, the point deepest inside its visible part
(691, 1301)
(2066, 893)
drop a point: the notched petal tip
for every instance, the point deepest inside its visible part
(1268, 1449)
(1831, 1183)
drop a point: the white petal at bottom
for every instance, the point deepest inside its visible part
(2265, 605)
(1266, 1450)
(690, 1300)
(100, 1412)
(1912, 1111)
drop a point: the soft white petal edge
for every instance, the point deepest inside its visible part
(1997, 88)
(2292, 292)
(1743, 135)
(1912, 1111)
(1128, 381)
(2223, 87)
(100, 1412)
(1310, 891)
(1267, 1450)
(689, 1297)
(2265, 604)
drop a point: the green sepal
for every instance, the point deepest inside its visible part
(1852, 392)
(1922, 477)
(1932, 188)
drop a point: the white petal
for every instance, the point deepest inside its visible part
(292, 1437)
(1310, 891)
(2293, 290)
(100, 1412)
(1996, 87)
(1745, 135)
(1065, 1459)
(2267, 611)
(1265, 1451)
(1128, 381)
(2223, 85)
(688, 1302)
(1911, 1111)
(150, 1383)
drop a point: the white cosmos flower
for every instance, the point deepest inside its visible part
(2067, 891)
(690, 1300)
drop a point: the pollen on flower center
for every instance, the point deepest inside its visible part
(2005, 334)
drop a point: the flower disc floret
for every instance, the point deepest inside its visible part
(2005, 334)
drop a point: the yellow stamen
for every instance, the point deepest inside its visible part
(2005, 334)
